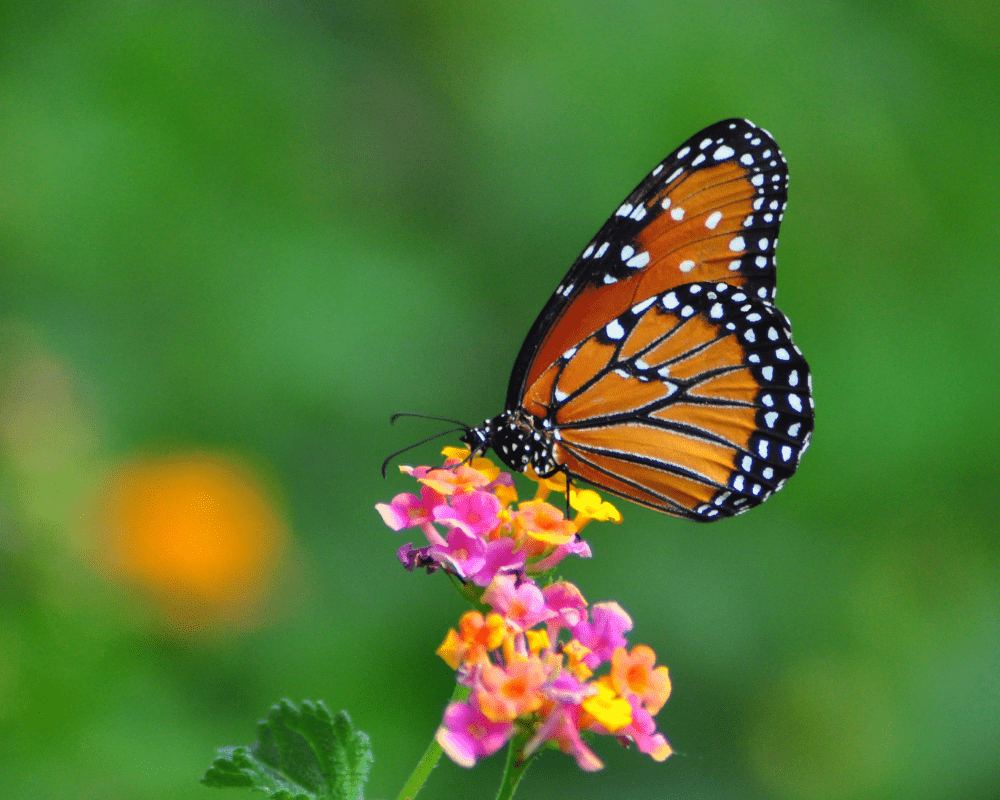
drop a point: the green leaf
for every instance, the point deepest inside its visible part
(301, 753)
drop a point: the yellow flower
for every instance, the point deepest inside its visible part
(588, 505)
(607, 708)
(543, 523)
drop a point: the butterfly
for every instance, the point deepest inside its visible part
(660, 370)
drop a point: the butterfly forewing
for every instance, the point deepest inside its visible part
(694, 402)
(710, 211)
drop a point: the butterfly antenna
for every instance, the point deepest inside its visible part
(397, 415)
(385, 463)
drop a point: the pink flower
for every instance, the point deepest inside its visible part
(568, 603)
(463, 552)
(642, 731)
(408, 510)
(568, 689)
(574, 547)
(502, 557)
(466, 734)
(474, 512)
(523, 606)
(561, 727)
(605, 634)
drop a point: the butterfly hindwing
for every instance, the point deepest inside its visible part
(694, 402)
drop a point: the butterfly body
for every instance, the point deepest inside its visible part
(520, 439)
(660, 370)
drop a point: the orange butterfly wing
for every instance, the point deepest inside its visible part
(709, 211)
(659, 370)
(694, 402)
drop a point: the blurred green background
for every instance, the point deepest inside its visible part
(252, 231)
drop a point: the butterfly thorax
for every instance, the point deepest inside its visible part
(519, 439)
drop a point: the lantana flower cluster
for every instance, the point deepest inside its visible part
(538, 664)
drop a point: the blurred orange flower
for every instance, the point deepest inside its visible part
(197, 531)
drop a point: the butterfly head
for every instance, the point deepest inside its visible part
(480, 438)
(519, 439)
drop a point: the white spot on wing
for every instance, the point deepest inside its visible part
(614, 330)
(713, 220)
(687, 265)
(639, 261)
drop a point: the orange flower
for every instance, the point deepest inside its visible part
(452, 481)
(511, 692)
(634, 674)
(478, 636)
(195, 530)
(544, 524)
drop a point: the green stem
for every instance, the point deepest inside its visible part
(514, 770)
(430, 757)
